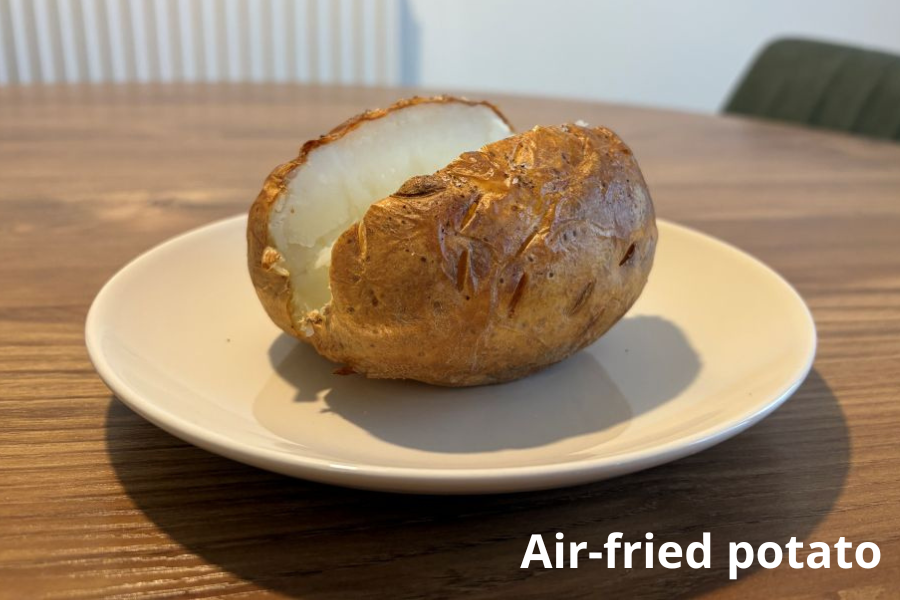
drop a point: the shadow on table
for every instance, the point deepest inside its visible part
(775, 481)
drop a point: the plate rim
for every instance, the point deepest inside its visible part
(438, 479)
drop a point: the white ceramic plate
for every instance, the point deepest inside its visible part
(716, 342)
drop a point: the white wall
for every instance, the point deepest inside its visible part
(684, 53)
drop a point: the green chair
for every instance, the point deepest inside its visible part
(823, 85)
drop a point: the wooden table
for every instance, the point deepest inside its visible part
(96, 502)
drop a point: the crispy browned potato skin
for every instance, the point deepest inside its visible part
(509, 259)
(269, 276)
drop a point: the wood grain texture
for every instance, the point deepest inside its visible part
(96, 502)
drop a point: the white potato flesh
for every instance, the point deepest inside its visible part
(340, 180)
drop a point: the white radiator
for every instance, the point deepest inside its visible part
(367, 42)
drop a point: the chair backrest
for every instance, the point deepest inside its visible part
(329, 41)
(824, 85)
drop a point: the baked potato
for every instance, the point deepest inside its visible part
(426, 241)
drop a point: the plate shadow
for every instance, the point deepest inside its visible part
(778, 479)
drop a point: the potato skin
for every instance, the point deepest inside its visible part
(268, 272)
(509, 259)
